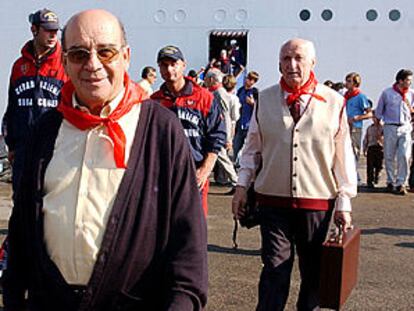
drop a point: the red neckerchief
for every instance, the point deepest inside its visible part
(134, 94)
(353, 93)
(214, 87)
(307, 89)
(402, 92)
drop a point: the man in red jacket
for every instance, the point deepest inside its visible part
(198, 110)
(35, 83)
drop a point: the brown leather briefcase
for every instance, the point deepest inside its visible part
(339, 269)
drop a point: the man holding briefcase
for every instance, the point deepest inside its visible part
(308, 170)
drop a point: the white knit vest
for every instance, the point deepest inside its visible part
(298, 159)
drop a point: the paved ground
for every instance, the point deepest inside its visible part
(386, 274)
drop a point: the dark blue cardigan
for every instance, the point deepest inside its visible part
(154, 250)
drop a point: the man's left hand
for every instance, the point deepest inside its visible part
(344, 219)
(204, 171)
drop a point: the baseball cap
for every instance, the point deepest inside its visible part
(45, 18)
(170, 51)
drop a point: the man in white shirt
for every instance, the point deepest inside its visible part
(395, 107)
(149, 76)
(230, 111)
(300, 130)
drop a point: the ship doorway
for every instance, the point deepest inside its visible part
(234, 43)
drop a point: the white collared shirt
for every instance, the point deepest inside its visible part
(81, 183)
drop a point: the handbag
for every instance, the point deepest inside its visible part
(252, 216)
(339, 268)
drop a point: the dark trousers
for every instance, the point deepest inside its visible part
(17, 168)
(411, 178)
(283, 229)
(375, 156)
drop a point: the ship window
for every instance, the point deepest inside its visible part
(305, 15)
(372, 15)
(394, 15)
(327, 15)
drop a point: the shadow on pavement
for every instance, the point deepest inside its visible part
(405, 244)
(227, 250)
(388, 231)
(365, 189)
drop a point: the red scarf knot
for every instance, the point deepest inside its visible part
(353, 93)
(403, 92)
(307, 89)
(214, 88)
(84, 120)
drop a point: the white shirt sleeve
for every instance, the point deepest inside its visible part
(235, 108)
(249, 158)
(344, 167)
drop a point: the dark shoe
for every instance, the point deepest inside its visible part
(370, 185)
(390, 188)
(401, 190)
(231, 192)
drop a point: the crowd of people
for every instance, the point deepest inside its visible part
(389, 137)
(238, 110)
(110, 179)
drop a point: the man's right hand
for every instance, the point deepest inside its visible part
(238, 204)
(10, 156)
(250, 100)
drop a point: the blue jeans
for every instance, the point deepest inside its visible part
(238, 142)
(397, 143)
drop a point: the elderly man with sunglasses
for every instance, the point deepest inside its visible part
(109, 215)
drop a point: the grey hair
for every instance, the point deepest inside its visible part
(307, 43)
(215, 74)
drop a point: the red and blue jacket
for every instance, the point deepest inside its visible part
(200, 115)
(34, 89)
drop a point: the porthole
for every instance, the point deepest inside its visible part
(327, 15)
(372, 15)
(394, 15)
(305, 15)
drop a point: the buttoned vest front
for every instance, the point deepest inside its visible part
(298, 159)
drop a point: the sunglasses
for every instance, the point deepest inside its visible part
(105, 55)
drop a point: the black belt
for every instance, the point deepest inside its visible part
(394, 124)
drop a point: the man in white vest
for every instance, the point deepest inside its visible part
(300, 130)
